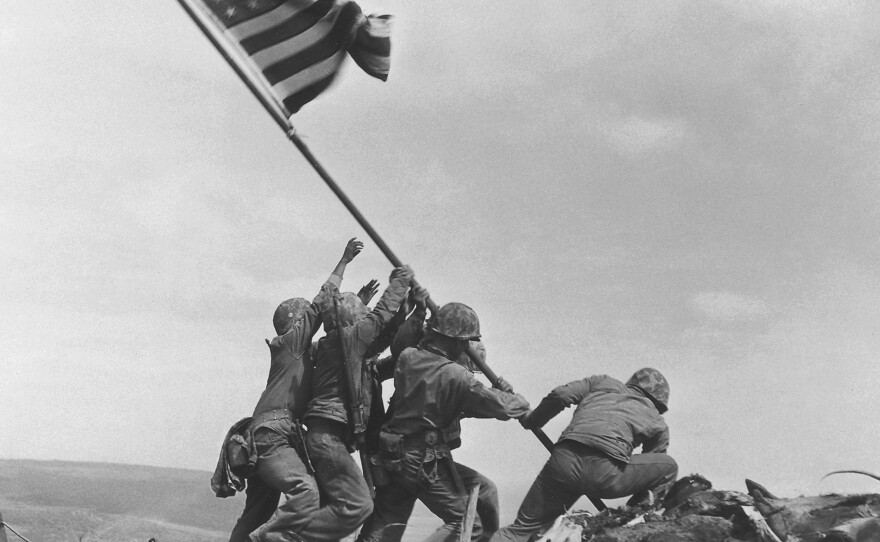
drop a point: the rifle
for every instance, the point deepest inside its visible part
(355, 412)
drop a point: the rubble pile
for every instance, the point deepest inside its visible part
(694, 512)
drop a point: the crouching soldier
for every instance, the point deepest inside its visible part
(593, 456)
(432, 391)
(339, 409)
(280, 467)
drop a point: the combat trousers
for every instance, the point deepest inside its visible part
(574, 470)
(279, 470)
(443, 496)
(345, 497)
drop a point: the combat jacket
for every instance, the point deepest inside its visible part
(329, 387)
(290, 370)
(611, 417)
(431, 392)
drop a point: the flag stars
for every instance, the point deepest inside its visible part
(230, 11)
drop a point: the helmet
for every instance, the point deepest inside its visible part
(351, 309)
(287, 313)
(457, 321)
(654, 384)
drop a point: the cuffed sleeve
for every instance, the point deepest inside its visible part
(556, 401)
(482, 402)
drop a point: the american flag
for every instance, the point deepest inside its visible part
(299, 45)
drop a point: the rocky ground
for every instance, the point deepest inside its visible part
(697, 513)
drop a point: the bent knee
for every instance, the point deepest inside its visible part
(672, 466)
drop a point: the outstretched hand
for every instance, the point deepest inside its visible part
(352, 249)
(368, 290)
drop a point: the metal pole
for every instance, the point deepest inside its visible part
(2, 529)
(278, 116)
(542, 436)
(259, 92)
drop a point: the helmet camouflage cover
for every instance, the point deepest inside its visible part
(654, 384)
(351, 310)
(287, 313)
(457, 321)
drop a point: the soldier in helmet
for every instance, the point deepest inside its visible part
(594, 456)
(338, 412)
(280, 468)
(432, 391)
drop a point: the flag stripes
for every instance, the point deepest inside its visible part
(299, 45)
(290, 27)
(334, 41)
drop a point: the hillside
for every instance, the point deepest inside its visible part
(55, 501)
(50, 501)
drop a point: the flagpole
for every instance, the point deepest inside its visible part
(258, 92)
(284, 123)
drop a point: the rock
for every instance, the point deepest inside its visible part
(817, 518)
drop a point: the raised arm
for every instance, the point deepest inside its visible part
(369, 327)
(311, 320)
(352, 249)
(331, 287)
(412, 330)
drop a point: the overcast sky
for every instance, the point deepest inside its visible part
(691, 186)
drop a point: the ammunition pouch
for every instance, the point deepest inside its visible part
(452, 435)
(390, 452)
(435, 452)
(380, 473)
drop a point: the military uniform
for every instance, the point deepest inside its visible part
(431, 393)
(345, 497)
(594, 454)
(280, 467)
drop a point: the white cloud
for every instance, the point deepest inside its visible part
(729, 307)
(636, 135)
